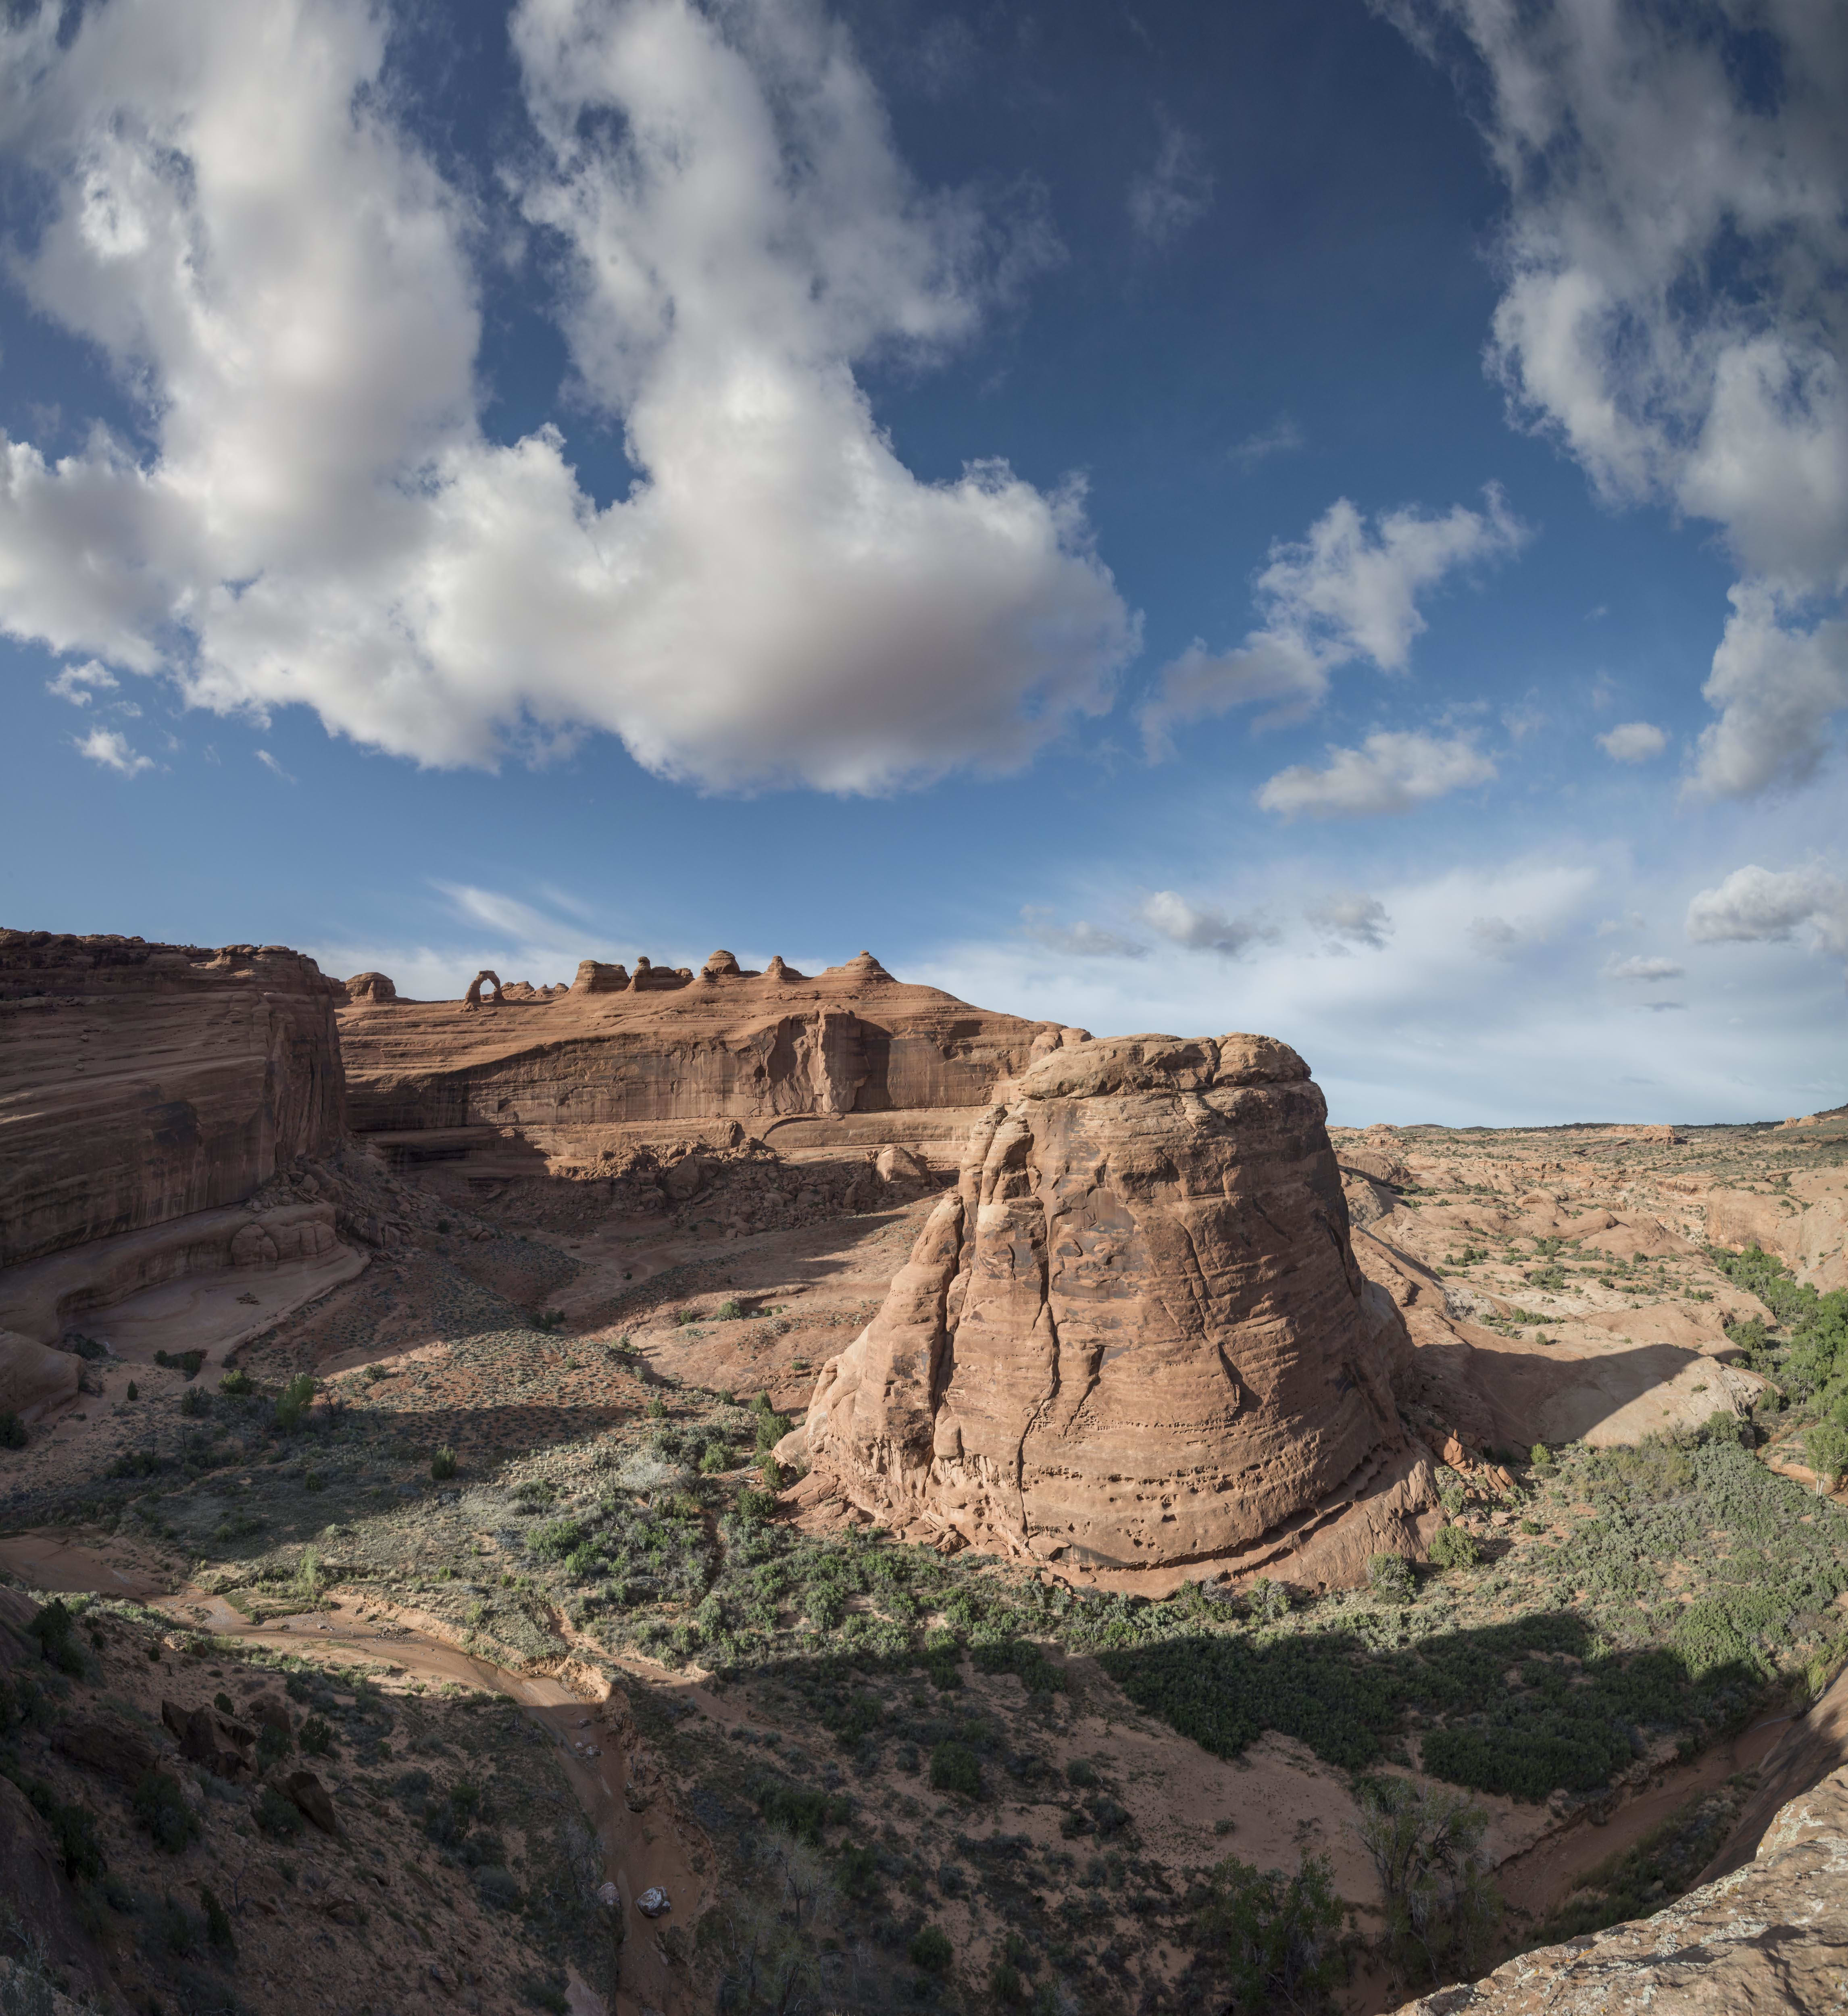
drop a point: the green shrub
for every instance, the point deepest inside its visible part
(1826, 1447)
(218, 1920)
(1018, 1655)
(161, 1807)
(1390, 1578)
(195, 1402)
(1441, 1910)
(714, 1458)
(72, 1829)
(12, 1429)
(799, 1811)
(293, 1401)
(134, 1390)
(956, 1768)
(930, 1950)
(186, 1362)
(316, 1738)
(557, 1540)
(277, 1816)
(770, 1471)
(442, 1465)
(236, 1383)
(1275, 1938)
(1452, 1547)
(1269, 1600)
(55, 1630)
(1541, 1457)
(729, 1311)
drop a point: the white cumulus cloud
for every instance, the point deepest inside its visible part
(1391, 772)
(1754, 905)
(1348, 590)
(239, 222)
(110, 748)
(80, 684)
(1633, 742)
(1676, 307)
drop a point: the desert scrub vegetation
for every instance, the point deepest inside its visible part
(1273, 1940)
(1805, 1351)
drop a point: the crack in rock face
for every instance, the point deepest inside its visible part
(1135, 1337)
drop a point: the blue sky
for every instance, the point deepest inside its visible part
(1327, 521)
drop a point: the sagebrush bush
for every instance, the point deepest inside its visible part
(1452, 1547)
(1390, 1578)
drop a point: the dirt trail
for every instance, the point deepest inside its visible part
(640, 1850)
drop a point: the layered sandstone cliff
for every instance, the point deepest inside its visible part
(1135, 1340)
(140, 1083)
(666, 1045)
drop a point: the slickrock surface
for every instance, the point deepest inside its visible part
(1771, 1934)
(1135, 1338)
(661, 1045)
(139, 1082)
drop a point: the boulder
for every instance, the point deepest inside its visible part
(111, 1749)
(375, 987)
(1135, 1338)
(206, 1737)
(311, 1800)
(33, 1377)
(684, 1179)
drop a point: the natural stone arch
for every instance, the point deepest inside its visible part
(472, 999)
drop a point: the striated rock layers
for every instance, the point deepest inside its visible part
(1134, 1341)
(664, 1045)
(141, 1082)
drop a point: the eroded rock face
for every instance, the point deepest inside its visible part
(663, 1044)
(1135, 1338)
(140, 1082)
